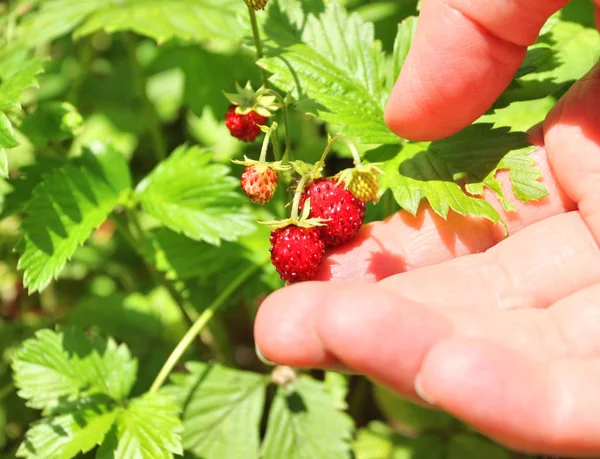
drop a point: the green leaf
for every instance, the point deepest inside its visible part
(378, 441)
(65, 208)
(14, 84)
(147, 428)
(464, 446)
(475, 155)
(334, 66)
(7, 134)
(404, 38)
(25, 182)
(307, 424)
(165, 19)
(575, 49)
(57, 367)
(190, 195)
(52, 122)
(416, 173)
(222, 409)
(65, 435)
(3, 163)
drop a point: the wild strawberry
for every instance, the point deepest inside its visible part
(259, 182)
(362, 181)
(343, 214)
(244, 127)
(296, 252)
(256, 4)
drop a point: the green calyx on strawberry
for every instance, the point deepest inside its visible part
(362, 181)
(246, 100)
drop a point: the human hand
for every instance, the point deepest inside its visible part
(507, 340)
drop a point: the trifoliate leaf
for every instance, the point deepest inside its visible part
(404, 38)
(333, 65)
(222, 409)
(147, 428)
(307, 424)
(165, 19)
(474, 155)
(63, 436)
(58, 367)
(65, 208)
(190, 195)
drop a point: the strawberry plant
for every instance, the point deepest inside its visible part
(166, 164)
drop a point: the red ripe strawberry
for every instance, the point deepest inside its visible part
(244, 127)
(259, 182)
(296, 252)
(345, 213)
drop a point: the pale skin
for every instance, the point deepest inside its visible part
(502, 333)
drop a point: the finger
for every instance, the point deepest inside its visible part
(572, 136)
(541, 264)
(404, 242)
(537, 407)
(463, 56)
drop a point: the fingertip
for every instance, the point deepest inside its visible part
(377, 332)
(284, 327)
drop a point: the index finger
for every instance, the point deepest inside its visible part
(464, 54)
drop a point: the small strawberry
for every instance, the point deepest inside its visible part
(257, 4)
(342, 213)
(296, 252)
(362, 181)
(259, 182)
(245, 127)
(248, 111)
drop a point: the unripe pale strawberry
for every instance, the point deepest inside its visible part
(259, 182)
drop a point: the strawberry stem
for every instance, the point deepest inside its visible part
(199, 325)
(297, 195)
(257, 43)
(288, 155)
(265, 144)
(321, 163)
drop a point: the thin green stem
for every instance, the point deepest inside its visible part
(198, 326)
(321, 163)
(265, 144)
(158, 139)
(288, 154)
(297, 196)
(257, 44)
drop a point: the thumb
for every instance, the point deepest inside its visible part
(464, 54)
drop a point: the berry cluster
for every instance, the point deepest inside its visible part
(326, 212)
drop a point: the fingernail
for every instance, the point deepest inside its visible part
(262, 358)
(421, 393)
